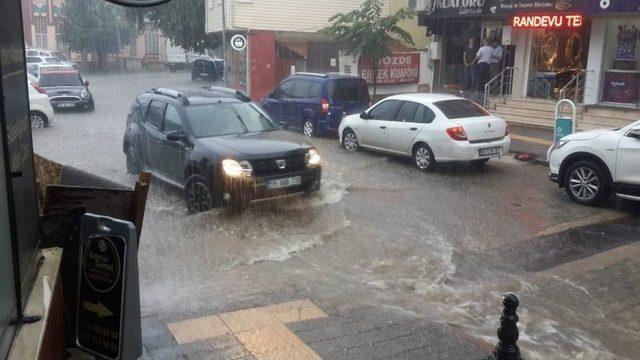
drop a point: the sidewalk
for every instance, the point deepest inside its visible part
(531, 139)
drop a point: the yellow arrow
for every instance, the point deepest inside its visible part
(98, 309)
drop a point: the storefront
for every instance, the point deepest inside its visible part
(589, 47)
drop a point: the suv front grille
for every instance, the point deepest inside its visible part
(270, 167)
(64, 98)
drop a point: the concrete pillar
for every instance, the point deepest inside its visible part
(595, 60)
(521, 63)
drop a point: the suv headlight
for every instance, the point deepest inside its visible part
(84, 94)
(235, 168)
(312, 158)
(562, 143)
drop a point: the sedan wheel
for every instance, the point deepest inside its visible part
(350, 141)
(307, 128)
(423, 158)
(586, 183)
(38, 120)
(198, 197)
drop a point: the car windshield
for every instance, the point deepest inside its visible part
(60, 56)
(52, 60)
(227, 119)
(60, 79)
(460, 109)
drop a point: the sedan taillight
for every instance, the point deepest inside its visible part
(38, 88)
(457, 133)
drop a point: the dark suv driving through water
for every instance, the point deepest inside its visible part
(219, 147)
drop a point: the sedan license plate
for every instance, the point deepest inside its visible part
(65, 105)
(284, 183)
(491, 151)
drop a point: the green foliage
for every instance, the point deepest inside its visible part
(95, 25)
(367, 33)
(183, 22)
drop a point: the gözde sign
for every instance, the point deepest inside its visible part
(401, 68)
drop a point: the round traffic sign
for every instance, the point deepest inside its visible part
(239, 42)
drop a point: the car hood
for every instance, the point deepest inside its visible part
(63, 90)
(257, 145)
(586, 135)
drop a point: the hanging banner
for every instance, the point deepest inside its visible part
(403, 68)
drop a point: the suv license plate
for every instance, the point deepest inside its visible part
(284, 183)
(491, 151)
(66, 105)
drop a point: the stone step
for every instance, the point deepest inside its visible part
(530, 112)
(605, 121)
(525, 119)
(536, 105)
(626, 114)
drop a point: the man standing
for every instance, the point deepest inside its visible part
(483, 57)
(496, 58)
(470, 73)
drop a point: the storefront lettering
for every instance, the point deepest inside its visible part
(547, 21)
(395, 69)
(464, 6)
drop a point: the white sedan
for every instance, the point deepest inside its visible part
(590, 165)
(41, 112)
(430, 128)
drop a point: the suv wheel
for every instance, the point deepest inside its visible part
(133, 165)
(197, 195)
(307, 128)
(92, 106)
(586, 183)
(350, 141)
(423, 158)
(38, 120)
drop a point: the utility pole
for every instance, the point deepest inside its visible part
(224, 42)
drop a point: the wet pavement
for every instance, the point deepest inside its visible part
(402, 264)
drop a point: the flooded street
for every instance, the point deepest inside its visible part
(404, 263)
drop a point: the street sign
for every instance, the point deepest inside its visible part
(239, 42)
(108, 321)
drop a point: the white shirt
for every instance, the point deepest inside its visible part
(497, 55)
(484, 54)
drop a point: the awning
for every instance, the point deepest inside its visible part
(299, 48)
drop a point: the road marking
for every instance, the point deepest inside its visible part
(531, 139)
(590, 220)
(262, 331)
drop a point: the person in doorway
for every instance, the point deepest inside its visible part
(470, 79)
(483, 58)
(496, 59)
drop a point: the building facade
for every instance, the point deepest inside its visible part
(583, 50)
(41, 24)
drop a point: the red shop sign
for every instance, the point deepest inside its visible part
(547, 21)
(394, 69)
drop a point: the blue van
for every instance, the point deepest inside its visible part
(316, 103)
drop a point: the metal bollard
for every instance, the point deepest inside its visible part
(507, 348)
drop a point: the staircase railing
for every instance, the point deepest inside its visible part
(574, 89)
(500, 85)
(539, 87)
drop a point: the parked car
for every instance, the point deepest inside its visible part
(40, 111)
(316, 103)
(219, 147)
(66, 89)
(591, 165)
(42, 60)
(61, 57)
(208, 69)
(36, 69)
(430, 128)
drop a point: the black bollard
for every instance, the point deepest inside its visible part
(508, 334)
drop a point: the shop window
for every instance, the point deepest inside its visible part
(621, 68)
(41, 31)
(152, 39)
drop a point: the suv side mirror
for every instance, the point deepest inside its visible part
(364, 115)
(176, 135)
(284, 125)
(86, 83)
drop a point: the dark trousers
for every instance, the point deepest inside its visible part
(470, 77)
(483, 75)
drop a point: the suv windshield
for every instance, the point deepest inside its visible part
(227, 119)
(460, 109)
(60, 79)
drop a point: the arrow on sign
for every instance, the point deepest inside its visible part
(98, 309)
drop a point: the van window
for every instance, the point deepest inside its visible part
(33, 59)
(348, 90)
(155, 113)
(300, 89)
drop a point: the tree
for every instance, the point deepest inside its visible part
(183, 22)
(95, 25)
(365, 32)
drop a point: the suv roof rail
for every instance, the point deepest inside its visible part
(237, 93)
(170, 93)
(311, 74)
